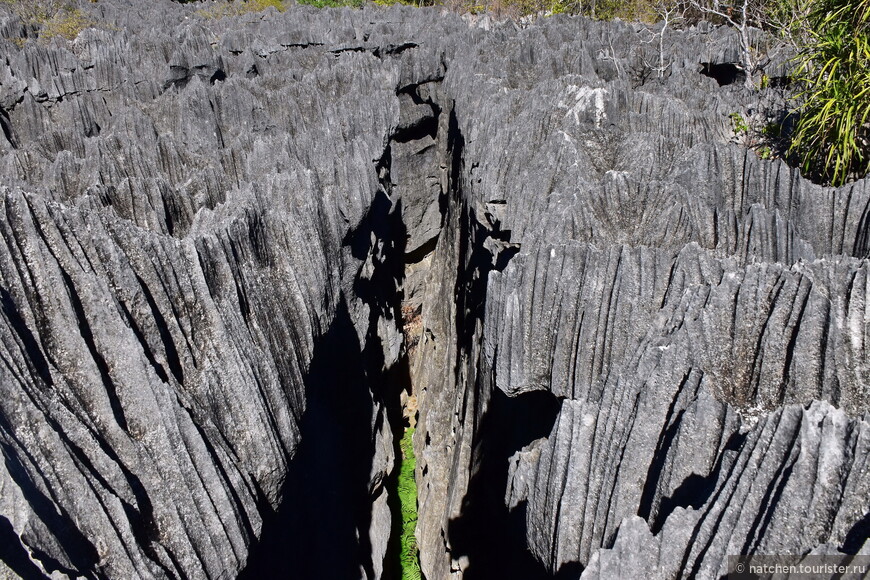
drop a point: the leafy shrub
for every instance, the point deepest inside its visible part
(787, 20)
(738, 123)
(628, 10)
(228, 9)
(34, 11)
(53, 18)
(832, 136)
(336, 3)
(65, 24)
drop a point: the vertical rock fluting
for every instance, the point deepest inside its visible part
(200, 290)
(690, 318)
(640, 347)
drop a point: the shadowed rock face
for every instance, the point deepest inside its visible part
(643, 348)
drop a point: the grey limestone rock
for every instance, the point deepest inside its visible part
(642, 347)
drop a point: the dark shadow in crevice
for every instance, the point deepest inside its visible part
(658, 463)
(649, 505)
(321, 528)
(35, 360)
(14, 555)
(569, 571)
(726, 73)
(423, 127)
(170, 351)
(102, 366)
(179, 76)
(418, 255)
(76, 547)
(488, 533)
(771, 499)
(857, 536)
(219, 75)
(696, 490)
(6, 127)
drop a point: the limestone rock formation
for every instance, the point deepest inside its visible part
(641, 347)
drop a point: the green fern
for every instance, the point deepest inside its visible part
(408, 555)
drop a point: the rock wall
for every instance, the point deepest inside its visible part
(658, 357)
(641, 348)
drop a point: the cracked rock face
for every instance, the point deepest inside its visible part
(638, 347)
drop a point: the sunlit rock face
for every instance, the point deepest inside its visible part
(637, 347)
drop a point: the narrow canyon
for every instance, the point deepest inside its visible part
(239, 256)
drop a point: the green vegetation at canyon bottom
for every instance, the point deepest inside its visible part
(408, 556)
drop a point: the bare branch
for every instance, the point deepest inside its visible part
(707, 10)
(742, 26)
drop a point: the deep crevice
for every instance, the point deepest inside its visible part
(76, 547)
(171, 352)
(88, 336)
(772, 494)
(321, 536)
(32, 348)
(488, 535)
(491, 535)
(14, 554)
(328, 534)
(726, 73)
(6, 127)
(650, 501)
(696, 489)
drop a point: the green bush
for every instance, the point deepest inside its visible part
(787, 21)
(628, 10)
(738, 123)
(334, 3)
(227, 9)
(65, 24)
(53, 18)
(34, 11)
(832, 135)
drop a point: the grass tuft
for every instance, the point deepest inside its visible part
(832, 137)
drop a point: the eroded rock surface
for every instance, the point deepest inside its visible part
(641, 347)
